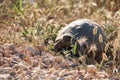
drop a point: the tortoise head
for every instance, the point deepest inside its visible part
(64, 41)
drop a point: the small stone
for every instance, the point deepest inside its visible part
(53, 77)
(102, 74)
(88, 76)
(39, 49)
(74, 73)
(58, 59)
(70, 77)
(4, 76)
(81, 72)
(66, 75)
(37, 52)
(11, 47)
(49, 62)
(5, 70)
(12, 73)
(29, 50)
(74, 65)
(59, 78)
(61, 74)
(91, 69)
(35, 63)
(20, 52)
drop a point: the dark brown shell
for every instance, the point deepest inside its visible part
(81, 31)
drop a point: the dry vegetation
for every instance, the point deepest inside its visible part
(28, 32)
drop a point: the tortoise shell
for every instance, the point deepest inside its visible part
(82, 32)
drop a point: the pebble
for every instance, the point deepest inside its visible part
(91, 69)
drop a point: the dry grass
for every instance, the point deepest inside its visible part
(31, 24)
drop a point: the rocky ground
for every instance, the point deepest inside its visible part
(34, 64)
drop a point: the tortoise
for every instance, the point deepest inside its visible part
(82, 32)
